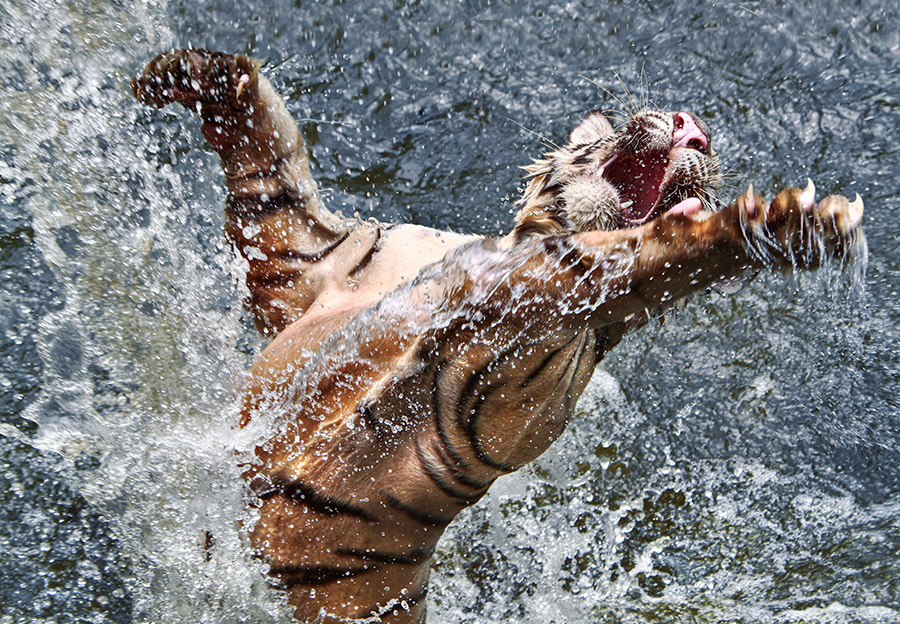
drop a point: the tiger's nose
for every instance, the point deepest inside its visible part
(688, 133)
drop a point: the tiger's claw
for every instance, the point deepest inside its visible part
(193, 75)
(855, 211)
(753, 208)
(795, 230)
(242, 82)
(840, 215)
(808, 196)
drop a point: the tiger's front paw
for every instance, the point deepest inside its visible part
(795, 230)
(194, 75)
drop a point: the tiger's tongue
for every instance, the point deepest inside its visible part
(638, 179)
(689, 206)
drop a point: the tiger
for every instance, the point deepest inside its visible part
(409, 367)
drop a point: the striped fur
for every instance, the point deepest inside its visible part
(399, 401)
(563, 196)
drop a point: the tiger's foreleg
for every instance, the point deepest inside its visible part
(523, 344)
(274, 215)
(674, 256)
(616, 280)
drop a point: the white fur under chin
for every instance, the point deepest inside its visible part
(591, 204)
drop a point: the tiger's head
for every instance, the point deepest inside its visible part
(607, 178)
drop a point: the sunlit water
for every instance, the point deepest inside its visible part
(738, 463)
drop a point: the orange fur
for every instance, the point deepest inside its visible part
(412, 367)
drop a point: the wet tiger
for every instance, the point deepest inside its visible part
(411, 367)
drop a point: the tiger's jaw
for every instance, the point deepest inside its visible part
(638, 180)
(609, 179)
(651, 182)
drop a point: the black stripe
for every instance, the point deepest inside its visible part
(372, 423)
(468, 393)
(526, 229)
(474, 411)
(304, 493)
(601, 344)
(315, 575)
(540, 368)
(478, 377)
(562, 248)
(299, 491)
(568, 374)
(461, 464)
(293, 254)
(583, 158)
(263, 487)
(439, 421)
(561, 220)
(480, 453)
(419, 555)
(551, 189)
(252, 206)
(417, 515)
(460, 476)
(366, 259)
(558, 246)
(572, 366)
(446, 488)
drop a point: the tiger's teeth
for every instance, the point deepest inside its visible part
(626, 205)
(808, 196)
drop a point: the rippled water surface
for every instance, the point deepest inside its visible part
(738, 463)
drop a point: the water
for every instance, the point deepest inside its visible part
(737, 463)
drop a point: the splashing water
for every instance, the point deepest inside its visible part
(141, 358)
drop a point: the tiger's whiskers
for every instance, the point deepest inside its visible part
(625, 107)
(543, 138)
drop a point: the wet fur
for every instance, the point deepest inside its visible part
(563, 197)
(410, 367)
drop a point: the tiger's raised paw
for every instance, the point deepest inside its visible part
(193, 76)
(795, 230)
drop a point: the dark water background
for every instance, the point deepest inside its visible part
(738, 463)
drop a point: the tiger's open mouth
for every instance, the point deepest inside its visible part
(642, 180)
(656, 164)
(638, 178)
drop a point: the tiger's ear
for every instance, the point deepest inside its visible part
(592, 128)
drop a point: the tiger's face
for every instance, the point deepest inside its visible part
(607, 178)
